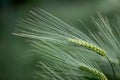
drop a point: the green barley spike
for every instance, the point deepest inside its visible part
(89, 46)
(93, 71)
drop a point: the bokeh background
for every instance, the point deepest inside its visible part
(14, 62)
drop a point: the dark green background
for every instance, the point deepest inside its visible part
(15, 63)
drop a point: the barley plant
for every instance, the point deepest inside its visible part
(66, 52)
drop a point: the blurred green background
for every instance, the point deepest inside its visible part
(14, 64)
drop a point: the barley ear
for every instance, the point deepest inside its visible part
(89, 46)
(93, 71)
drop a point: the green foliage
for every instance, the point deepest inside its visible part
(61, 60)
